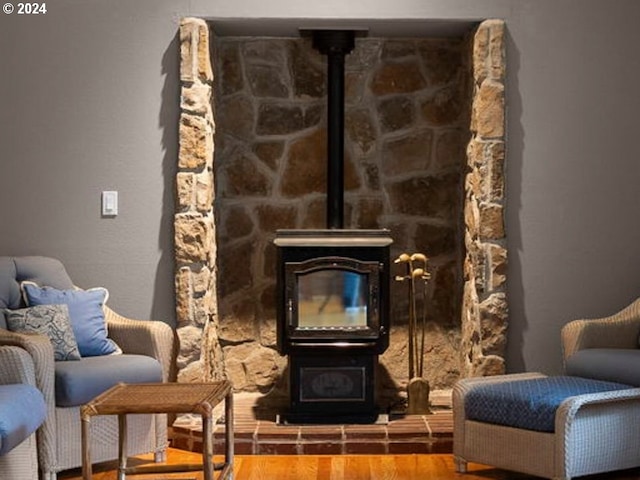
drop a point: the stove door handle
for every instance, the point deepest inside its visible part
(290, 312)
(335, 344)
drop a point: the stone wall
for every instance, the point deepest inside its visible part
(408, 111)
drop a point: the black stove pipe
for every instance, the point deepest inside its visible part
(336, 44)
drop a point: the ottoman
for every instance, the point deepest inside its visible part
(552, 427)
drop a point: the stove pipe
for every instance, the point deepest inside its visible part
(335, 44)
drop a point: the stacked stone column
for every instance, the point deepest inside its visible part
(484, 310)
(194, 223)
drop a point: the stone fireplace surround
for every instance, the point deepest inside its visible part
(425, 154)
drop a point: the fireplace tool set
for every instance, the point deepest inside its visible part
(417, 276)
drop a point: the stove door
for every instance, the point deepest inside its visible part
(331, 299)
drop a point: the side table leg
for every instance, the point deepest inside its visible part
(85, 433)
(228, 433)
(207, 447)
(122, 446)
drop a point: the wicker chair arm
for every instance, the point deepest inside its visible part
(568, 408)
(623, 403)
(40, 350)
(621, 330)
(144, 337)
(16, 366)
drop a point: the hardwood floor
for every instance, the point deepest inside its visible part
(337, 467)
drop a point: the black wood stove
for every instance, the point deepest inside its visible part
(333, 320)
(333, 289)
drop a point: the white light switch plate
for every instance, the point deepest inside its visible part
(109, 203)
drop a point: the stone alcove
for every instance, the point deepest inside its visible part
(425, 158)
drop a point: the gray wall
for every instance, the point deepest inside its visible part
(88, 102)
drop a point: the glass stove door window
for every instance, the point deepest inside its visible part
(332, 298)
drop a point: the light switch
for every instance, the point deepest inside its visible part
(109, 204)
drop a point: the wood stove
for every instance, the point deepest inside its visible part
(333, 320)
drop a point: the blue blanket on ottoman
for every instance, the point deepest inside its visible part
(529, 404)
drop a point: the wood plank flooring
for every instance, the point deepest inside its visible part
(336, 467)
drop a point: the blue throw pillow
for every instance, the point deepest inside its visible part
(85, 311)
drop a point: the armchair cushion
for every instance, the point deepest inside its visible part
(529, 404)
(51, 321)
(86, 313)
(22, 411)
(78, 382)
(612, 364)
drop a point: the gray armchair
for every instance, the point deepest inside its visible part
(604, 348)
(59, 438)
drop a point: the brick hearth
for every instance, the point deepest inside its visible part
(432, 433)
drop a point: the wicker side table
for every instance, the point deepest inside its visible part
(198, 398)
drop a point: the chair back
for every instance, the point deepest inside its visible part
(44, 271)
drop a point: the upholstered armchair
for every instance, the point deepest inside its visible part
(604, 348)
(22, 411)
(144, 353)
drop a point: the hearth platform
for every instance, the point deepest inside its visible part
(260, 434)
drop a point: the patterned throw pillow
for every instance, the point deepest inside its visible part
(50, 320)
(85, 312)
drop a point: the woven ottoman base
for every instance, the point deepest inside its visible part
(594, 433)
